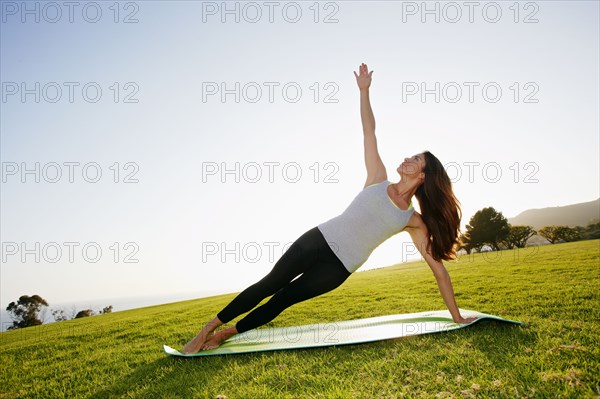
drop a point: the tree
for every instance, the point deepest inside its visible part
(556, 234)
(569, 234)
(25, 311)
(59, 314)
(592, 231)
(84, 313)
(107, 309)
(463, 243)
(487, 226)
(549, 233)
(518, 236)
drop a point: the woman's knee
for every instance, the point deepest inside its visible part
(283, 298)
(269, 285)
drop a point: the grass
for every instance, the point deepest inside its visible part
(554, 289)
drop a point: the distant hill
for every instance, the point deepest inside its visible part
(580, 214)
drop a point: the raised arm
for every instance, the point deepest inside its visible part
(375, 169)
(420, 238)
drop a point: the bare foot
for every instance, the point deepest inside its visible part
(219, 337)
(205, 334)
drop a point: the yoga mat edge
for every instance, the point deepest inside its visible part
(348, 332)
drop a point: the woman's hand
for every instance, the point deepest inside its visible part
(465, 321)
(364, 79)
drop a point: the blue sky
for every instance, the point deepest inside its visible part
(184, 226)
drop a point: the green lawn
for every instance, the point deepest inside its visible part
(554, 289)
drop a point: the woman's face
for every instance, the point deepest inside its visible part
(412, 166)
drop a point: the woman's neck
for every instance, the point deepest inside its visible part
(405, 189)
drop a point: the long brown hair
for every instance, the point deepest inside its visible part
(440, 209)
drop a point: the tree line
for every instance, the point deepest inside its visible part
(25, 312)
(489, 227)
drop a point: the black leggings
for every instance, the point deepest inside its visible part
(321, 271)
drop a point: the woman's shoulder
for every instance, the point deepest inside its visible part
(375, 183)
(415, 221)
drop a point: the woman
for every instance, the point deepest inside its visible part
(328, 254)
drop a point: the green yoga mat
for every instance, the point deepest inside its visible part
(340, 332)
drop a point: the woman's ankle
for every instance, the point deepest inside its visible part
(214, 323)
(211, 326)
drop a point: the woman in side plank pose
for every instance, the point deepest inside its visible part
(326, 255)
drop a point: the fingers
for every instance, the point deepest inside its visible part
(363, 70)
(468, 320)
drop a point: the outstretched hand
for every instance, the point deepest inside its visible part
(364, 79)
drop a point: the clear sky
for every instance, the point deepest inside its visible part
(144, 93)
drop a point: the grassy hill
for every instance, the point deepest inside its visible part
(553, 288)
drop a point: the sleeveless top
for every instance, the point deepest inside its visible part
(370, 219)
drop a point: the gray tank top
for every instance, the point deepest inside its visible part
(370, 219)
